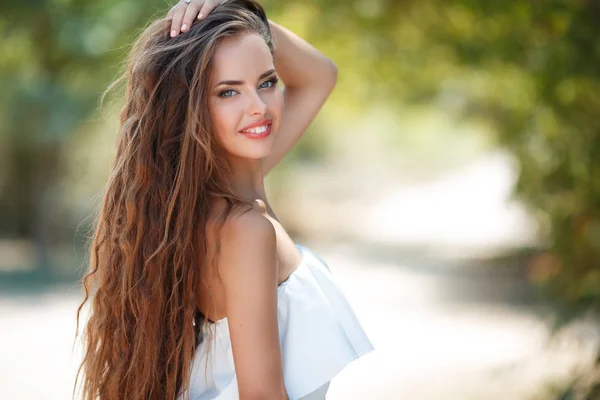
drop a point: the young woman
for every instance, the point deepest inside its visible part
(198, 291)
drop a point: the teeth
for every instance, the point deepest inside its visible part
(259, 129)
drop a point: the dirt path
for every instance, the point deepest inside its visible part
(432, 343)
(428, 346)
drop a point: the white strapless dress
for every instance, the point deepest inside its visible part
(319, 333)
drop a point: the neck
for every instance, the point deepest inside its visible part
(248, 179)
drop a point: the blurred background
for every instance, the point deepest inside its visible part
(451, 182)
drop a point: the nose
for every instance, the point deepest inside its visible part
(257, 105)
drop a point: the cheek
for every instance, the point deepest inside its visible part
(224, 119)
(276, 106)
(279, 100)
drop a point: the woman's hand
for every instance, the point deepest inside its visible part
(182, 14)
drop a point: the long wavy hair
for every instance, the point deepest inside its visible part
(148, 253)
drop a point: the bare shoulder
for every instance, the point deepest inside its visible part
(247, 249)
(249, 222)
(248, 246)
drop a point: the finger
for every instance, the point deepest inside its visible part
(177, 18)
(171, 12)
(208, 6)
(190, 13)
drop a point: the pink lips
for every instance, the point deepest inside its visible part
(253, 135)
(260, 135)
(256, 124)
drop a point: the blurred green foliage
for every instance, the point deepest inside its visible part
(56, 57)
(533, 71)
(529, 70)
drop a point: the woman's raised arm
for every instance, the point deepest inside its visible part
(309, 77)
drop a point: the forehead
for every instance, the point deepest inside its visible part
(243, 56)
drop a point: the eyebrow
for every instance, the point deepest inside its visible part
(263, 75)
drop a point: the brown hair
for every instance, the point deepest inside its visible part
(148, 252)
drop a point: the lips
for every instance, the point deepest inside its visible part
(259, 132)
(256, 125)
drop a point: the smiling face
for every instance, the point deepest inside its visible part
(243, 90)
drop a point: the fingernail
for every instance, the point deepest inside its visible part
(173, 33)
(183, 27)
(200, 16)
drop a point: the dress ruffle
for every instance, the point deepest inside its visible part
(319, 334)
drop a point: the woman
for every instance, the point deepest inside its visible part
(198, 291)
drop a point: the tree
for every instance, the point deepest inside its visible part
(57, 57)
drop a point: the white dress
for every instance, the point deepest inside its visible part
(319, 334)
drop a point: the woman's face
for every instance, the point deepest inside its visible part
(243, 90)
